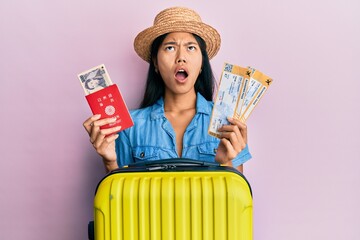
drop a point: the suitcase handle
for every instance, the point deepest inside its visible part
(172, 163)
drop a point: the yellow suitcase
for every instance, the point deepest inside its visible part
(172, 200)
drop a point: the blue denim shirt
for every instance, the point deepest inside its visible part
(152, 137)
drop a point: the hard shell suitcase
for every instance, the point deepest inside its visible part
(173, 199)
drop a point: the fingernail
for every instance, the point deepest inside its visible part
(230, 118)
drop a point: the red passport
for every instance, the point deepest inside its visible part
(109, 103)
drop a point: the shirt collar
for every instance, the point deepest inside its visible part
(202, 106)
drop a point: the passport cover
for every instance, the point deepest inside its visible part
(109, 103)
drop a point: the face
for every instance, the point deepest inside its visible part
(179, 63)
(93, 83)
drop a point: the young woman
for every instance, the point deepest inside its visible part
(175, 112)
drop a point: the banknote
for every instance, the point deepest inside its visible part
(239, 91)
(94, 79)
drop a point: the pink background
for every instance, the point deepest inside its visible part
(304, 135)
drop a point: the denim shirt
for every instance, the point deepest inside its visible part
(152, 137)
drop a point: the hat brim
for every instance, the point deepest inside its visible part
(144, 39)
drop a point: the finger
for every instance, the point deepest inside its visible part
(237, 142)
(236, 122)
(88, 122)
(104, 121)
(102, 134)
(108, 140)
(103, 147)
(230, 151)
(95, 128)
(231, 128)
(242, 127)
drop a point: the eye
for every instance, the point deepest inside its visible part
(192, 48)
(169, 48)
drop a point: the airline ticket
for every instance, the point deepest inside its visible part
(239, 92)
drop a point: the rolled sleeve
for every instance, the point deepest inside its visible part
(123, 149)
(242, 157)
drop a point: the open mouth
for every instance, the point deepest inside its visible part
(181, 75)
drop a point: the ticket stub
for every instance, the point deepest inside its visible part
(239, 92)
(246, 73)
(258, 85)
(231, 84)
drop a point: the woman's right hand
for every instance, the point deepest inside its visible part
(102, 139)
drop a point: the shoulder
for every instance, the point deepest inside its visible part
(150, 112)
(141, 113)
(140, 118)
(203, 105)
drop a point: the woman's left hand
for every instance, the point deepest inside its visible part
(233, 140)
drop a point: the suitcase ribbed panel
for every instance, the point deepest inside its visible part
(173, 206)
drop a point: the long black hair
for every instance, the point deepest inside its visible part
(155, 86)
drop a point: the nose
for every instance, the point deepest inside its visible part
(181, 59)
(181, 56)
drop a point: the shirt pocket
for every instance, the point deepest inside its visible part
(145, 153)
(207, 151)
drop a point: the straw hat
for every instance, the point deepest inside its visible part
(177, 19)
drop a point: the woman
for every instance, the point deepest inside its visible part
(175, 113)
(94, 83)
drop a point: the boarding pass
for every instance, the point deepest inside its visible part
(239, 92)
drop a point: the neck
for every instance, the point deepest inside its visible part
(178, 103)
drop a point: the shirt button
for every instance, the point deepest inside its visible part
(142, 154)
(215, 150)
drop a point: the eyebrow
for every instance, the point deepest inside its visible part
(175, 43)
